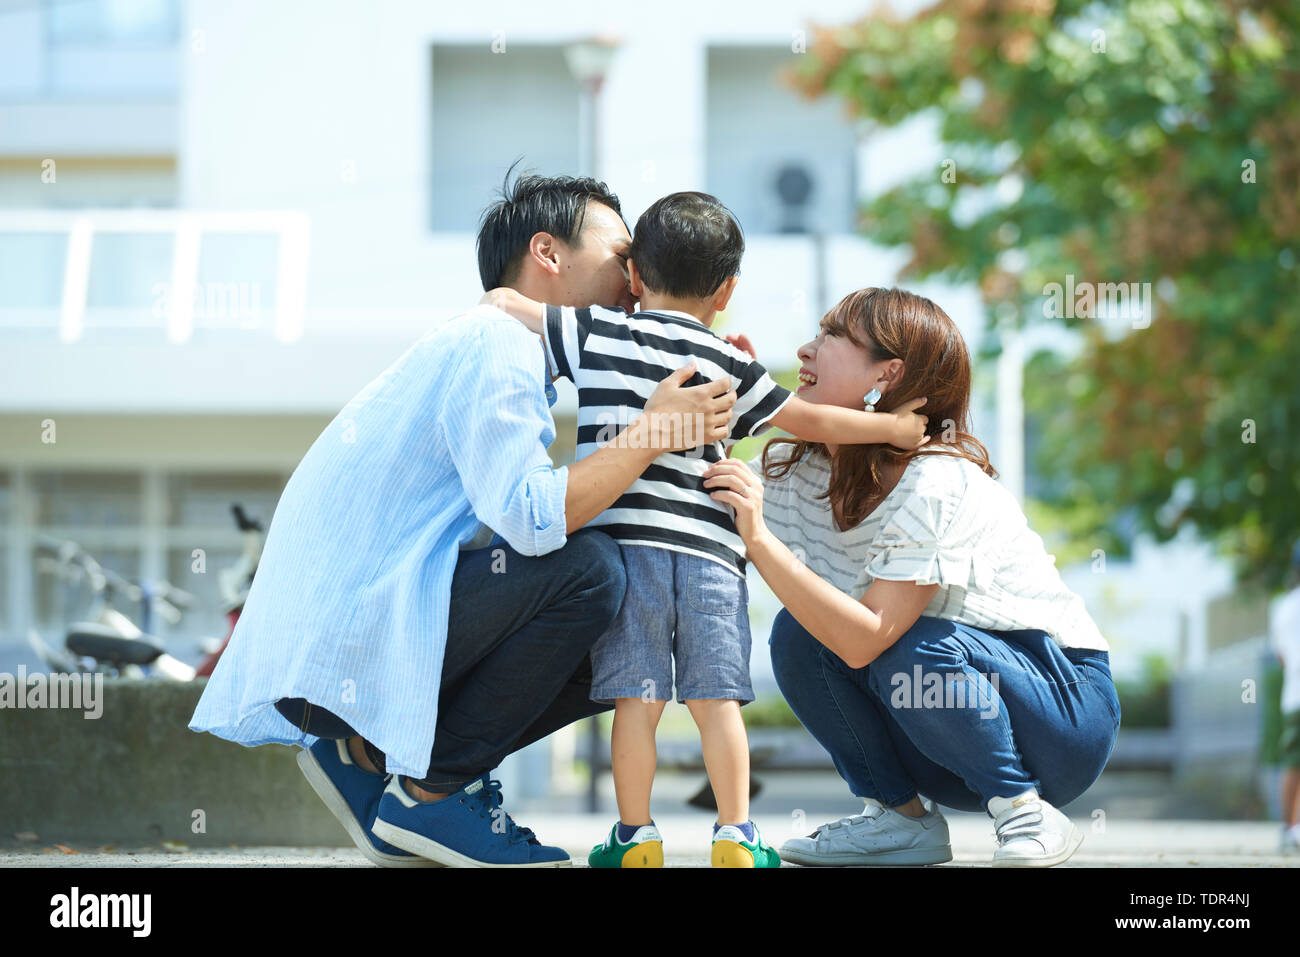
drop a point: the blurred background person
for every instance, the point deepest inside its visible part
(1284, 638)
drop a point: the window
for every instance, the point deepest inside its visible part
(111, 48)
(199, 517)
(105, 22)
(88, 499)
(139, 527)
(757, 126)
(490, 109)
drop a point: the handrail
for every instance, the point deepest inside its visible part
(187, 226)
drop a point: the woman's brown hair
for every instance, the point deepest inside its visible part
(894, 324)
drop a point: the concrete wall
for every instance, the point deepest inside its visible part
(137, 775)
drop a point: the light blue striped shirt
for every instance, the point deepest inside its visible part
(350, 602)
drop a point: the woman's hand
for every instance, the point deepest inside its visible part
(741, 342)
(739, 487)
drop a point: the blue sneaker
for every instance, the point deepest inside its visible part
(353, 794)
(464, 829)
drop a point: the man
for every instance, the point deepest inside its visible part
(427, 596)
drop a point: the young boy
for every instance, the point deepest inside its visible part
(686, 596)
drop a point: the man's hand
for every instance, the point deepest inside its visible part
(678, 418)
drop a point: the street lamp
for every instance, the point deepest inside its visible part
(589, 61)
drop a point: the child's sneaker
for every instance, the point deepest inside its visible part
(731, 848)
(645, 849)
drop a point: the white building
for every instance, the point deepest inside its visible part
(218, 220)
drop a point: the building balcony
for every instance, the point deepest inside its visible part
(188, 311)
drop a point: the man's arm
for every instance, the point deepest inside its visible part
(493, 421)
(835, 424)
(494, 428)
(674, 419)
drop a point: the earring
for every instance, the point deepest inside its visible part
(871, 398)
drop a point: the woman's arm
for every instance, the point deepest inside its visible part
(856, 631)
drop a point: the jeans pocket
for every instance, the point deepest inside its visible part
(712, 590)
(1099, 682)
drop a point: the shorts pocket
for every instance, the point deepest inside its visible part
(712, 590)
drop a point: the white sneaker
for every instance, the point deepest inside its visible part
(1030, 832)
(877, 836)
(1290, 841)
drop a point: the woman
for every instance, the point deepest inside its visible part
(926, 638)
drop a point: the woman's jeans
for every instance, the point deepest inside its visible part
(954, 713)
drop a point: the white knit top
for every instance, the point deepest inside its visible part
(945, 522)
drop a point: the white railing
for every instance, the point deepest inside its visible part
(186, 228)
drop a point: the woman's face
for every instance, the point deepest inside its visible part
(837, 371)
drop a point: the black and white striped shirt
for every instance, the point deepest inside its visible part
(616, 361)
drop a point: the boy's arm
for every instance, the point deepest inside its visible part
(837, 425)
(528, 311)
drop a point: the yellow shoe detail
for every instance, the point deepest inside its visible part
(645, 854)
(731, 854)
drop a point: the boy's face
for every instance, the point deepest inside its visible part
(594, 272)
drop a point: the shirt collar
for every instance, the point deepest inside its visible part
(679, 315)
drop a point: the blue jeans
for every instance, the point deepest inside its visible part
(517, 664)
(954, 713)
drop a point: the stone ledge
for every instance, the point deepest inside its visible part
(137, 774)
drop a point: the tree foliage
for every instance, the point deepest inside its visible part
(1150, 142)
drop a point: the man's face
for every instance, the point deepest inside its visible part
(594, 271)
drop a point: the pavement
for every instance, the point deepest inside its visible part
(1128, 820)
(686, 839)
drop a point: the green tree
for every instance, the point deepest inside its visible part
(1134, 141)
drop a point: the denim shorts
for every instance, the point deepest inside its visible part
(683, 609)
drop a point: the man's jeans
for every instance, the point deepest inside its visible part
(954, 713)
(516, 667)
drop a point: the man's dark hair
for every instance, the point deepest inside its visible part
(687, 244)
(533, 204)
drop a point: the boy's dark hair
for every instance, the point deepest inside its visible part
(687, 244)
(533, 204)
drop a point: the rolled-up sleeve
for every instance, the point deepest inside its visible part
(497, 425)
(928, 540)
